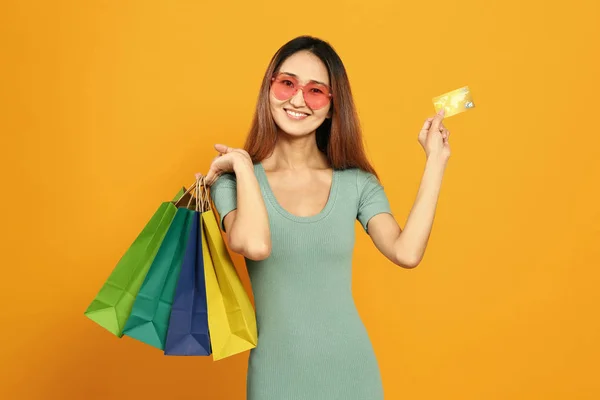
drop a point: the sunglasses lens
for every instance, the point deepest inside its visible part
(316, 96)
(284, 87)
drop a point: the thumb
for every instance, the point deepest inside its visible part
(221, 148)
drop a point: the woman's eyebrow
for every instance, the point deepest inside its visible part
(296, 76)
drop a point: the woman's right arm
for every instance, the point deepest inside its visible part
(247, 226)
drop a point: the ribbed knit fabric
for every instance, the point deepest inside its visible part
(312, 344)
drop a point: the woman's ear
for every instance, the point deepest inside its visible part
(330, 112)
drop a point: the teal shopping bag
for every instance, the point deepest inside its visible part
(149, 319)
(112, 305)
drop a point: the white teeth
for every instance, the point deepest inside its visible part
(295, 114)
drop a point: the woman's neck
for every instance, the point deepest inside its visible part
(296, 153)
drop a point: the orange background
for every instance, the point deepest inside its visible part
(108, 107)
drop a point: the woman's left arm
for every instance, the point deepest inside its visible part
(407, 247)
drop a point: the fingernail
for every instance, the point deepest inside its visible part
(441, 112)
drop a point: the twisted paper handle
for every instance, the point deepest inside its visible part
(202, 194)
(200, 191)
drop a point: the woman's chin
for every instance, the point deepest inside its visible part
(295, 132)
(296, 129)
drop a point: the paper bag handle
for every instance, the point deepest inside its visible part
(202, 194)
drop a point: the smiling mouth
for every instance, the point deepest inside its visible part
(295, 114)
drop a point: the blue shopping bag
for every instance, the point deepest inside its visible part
(188, 333)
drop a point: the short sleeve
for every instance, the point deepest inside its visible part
(372, 199)
(223, 193)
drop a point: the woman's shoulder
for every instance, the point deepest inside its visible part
(356, 176)
(225, 180)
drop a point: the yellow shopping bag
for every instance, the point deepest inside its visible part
(231, 317)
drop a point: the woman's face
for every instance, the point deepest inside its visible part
(294, 116)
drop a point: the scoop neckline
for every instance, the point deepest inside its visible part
(312, 218)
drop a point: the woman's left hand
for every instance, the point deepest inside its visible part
(434, 137)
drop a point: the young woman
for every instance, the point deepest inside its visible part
(288, 203)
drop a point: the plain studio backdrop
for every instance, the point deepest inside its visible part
(107, 108)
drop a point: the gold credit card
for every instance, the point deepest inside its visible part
(454, 102)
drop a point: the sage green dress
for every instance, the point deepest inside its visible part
(312, 343)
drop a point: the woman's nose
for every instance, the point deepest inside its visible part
(297, 100)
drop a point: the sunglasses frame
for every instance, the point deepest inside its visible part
(301, 87)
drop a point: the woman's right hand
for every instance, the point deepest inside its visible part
(225, 162)
(247, 227)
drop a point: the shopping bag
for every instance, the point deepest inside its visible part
(231, 317)
(149, 317)
(112, 305)
(188, 333)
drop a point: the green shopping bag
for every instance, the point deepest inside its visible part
(149, 319)
(113, 303)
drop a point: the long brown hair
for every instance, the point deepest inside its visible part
(339, 137)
